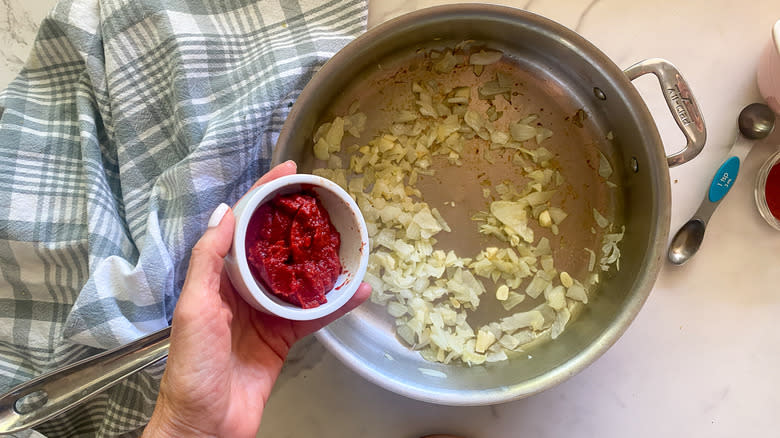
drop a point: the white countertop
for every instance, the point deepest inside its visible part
(700, 359)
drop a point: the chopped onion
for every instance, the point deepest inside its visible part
(484, 58)
(557, 215)
(537, 285)
(592, 259)
(396, 309)
(497, 356)
(610, 252)
(446, 64)
(577, 292)
(605, 169)
(321, 149)
(509, 342)
(499, 137)
(522, 132)
(428, 291)
(556, 297)
(601, 221)
(532, 319)
(561, 319)
(491, 89)
(484, 340)
(542, 134)
(512, 300)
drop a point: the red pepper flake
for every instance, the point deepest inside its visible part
(772, 191)
(293, 248)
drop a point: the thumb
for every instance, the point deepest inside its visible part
(206, 262)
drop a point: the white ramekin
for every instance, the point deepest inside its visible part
(345, 216)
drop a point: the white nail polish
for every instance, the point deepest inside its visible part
(218, 214)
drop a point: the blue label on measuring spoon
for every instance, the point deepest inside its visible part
(724, 179)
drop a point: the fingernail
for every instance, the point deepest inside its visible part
(218, 214)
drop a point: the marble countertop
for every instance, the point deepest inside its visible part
(700, 359)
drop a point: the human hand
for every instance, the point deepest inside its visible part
(224, 356)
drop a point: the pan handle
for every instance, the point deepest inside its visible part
(51, 394)
(681, 102)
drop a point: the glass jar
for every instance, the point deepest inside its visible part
(760, 191)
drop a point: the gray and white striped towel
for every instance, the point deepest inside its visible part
(131, 121)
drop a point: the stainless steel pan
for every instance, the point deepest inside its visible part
(563, 73)
(559, 73)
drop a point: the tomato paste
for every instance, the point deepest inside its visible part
(293, 248)
(772, 191)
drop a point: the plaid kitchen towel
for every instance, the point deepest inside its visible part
(131, 121)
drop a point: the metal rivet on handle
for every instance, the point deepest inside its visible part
(599, 94)
(31, 402)
(634, 164)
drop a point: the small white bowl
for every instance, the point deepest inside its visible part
(345, 216)
(768, 74)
